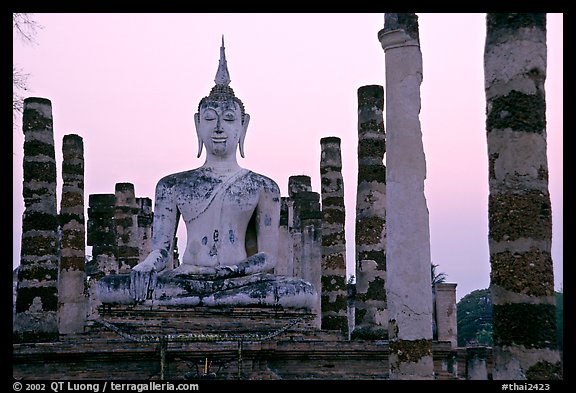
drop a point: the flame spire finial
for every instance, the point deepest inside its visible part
(222, 75)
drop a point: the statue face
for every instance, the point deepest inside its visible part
(219, 126)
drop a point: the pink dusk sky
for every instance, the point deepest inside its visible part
(129, 85)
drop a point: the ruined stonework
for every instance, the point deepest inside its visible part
(306, 219)
(334, 293)
(37, 292)
(72, 295)
(145, 217)
(300, 251)
(476, 363)
(445, 307)
(371, 319)
(126, 224)
(101, 235)
(520, 218)
(409, 293)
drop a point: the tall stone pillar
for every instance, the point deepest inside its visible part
(371, 317)
(72, 294)
(446, 321)
(409, 289)
(520, 219)
(37, 293)
(333, 282)
(126, 224)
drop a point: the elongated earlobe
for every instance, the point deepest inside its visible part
(197, 124)
(200, 145)
(243, 135)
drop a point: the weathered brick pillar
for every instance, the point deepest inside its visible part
(520, 218)
(308, 221)
(126, 224)
(446, 321)
(371, 317)
(310, 217)
(408, 288)
(333, 282)
(285, 250)
(72, 291)
(37, 293)
(297, 185)
(102, 235)
(145, 219)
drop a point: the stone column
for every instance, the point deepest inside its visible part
(446, 321)
(297, 185)
(101, 235)
(126, 224)
(371, 317)
(519, 211)
(333, 282)
(145, 219)
(310, 217)
(37, 293)
(285, 250)
(72, 291)
(409, 289)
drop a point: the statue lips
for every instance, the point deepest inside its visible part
(219, 142)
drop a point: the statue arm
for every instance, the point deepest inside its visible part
(268, 224)
(143, 275)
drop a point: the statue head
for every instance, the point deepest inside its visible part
(221, 121)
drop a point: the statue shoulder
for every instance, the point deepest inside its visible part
(264, 182)
(173, 179)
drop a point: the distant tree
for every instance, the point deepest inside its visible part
(474, 318)
(560, 319)
(437, 278)
(24, 28)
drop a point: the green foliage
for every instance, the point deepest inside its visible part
(474, 318)
(560, 318)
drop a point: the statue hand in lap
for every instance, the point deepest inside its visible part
(143, 276)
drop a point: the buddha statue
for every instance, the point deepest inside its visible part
(232, 225)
